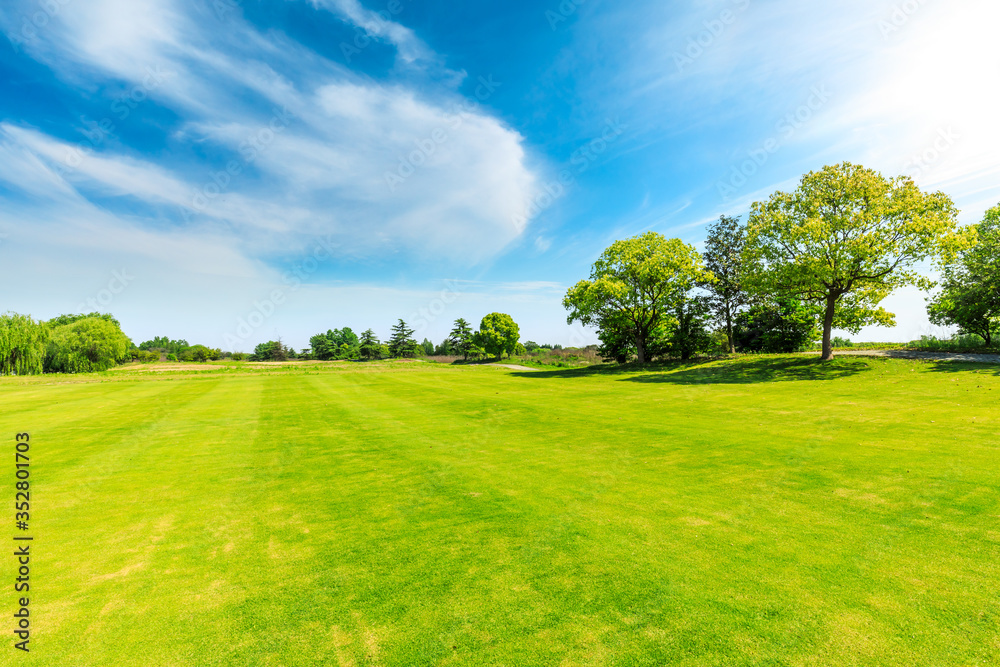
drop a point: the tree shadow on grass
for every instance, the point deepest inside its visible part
(948, 366)
(751, 370)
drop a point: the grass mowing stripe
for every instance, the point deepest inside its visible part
(748, 512)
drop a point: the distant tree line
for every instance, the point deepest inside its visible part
(82, 343)
(498, 336)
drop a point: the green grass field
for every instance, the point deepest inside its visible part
(765, 511)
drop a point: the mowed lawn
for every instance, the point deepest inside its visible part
(767, 511)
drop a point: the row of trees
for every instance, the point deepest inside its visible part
(65, 344)
(826, 254)
(498, 335)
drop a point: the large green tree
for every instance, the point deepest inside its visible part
(22, 345)
(86, 345)
(723, 256)
(461, 337)
(969, 297)
(634, 285)
(844, 240)
(401, 343)
(499, 334)
(370, 347)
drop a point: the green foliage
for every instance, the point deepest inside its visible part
(370, 348)
(63, 320)
(841, 342)
(22, 345)
(273, 350)
(401, 343)
(969, 297)
(724, 259)
(200, 353)
(461, 337)
(785, 325)
(531, 345)
(427, 347)
(635, 284)
(844, 240)
(520, 350)
(144, 356)
(498, 334)
(445, 349)
(165, 344)
(238, 356)
(335, 344)
(688, 328)
(85, 345)
(173, 357)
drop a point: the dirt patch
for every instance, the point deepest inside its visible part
(513, 367)
(916, 354)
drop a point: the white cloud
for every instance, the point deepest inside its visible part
(323, 169)
(379, 24)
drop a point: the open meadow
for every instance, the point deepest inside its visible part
(767, 510)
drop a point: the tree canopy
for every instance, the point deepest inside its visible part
(845, 239)
(461, 337)
(401, 343)
(498, 334)
(22, 345)
(634, 285)
(723, 256)
(370, 347)
(969, 297)
(86, 345)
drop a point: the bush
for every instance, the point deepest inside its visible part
(239, 356)
(171, 357)
(200, 353)
(144, 356)
(86, 345)
(784, 326)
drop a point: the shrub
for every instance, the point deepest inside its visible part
(86, 345)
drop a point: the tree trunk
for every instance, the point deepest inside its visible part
(729, 331)
(831, 305)
(640, 347)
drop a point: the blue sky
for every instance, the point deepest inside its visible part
(231, 172)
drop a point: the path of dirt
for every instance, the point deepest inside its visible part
(513, 367)
(916, 354)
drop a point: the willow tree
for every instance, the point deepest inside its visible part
(22, 345)
(844, 240)
(86, 345)
(635, 285)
